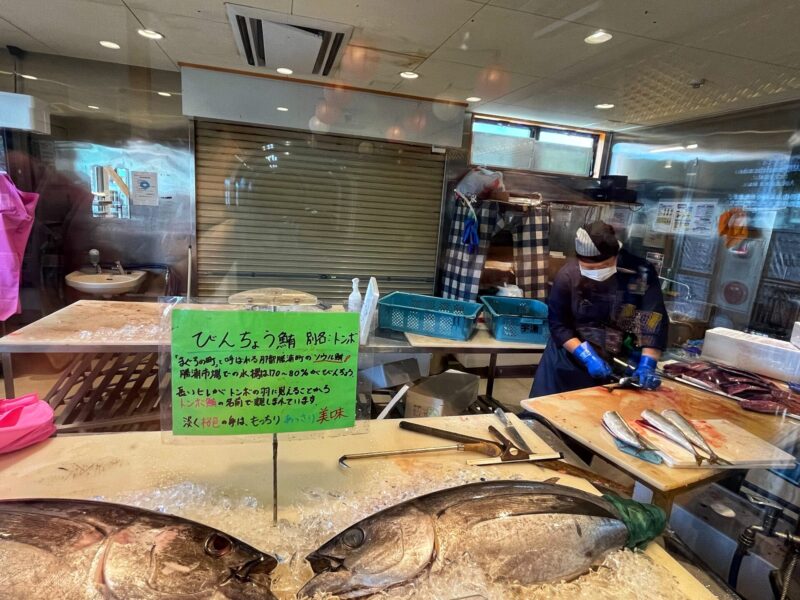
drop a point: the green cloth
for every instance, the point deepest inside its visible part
(644, 521)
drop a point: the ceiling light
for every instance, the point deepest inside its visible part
(31, 77)
(93, 107)
(604, 106)
(165, 94)
(668, 164)
(668, 149)
(150, 34)
(598, 37)
(282, 109)
(284, 70)
(109, 45)
(474, 99)
(691, 146)
(409, 75)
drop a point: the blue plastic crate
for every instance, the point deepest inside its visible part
(428, 315)
(516, 319)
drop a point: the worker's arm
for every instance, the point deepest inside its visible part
(655, 341)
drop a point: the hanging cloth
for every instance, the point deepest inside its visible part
(462, 268)
(17, 209)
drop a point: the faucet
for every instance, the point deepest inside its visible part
(94, 259)
(118, 266)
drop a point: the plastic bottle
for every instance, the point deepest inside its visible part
(354, 300)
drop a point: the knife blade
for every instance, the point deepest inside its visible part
(512, 432)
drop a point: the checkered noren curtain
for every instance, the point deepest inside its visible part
(462, 270)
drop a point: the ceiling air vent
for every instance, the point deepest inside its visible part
(271, 40)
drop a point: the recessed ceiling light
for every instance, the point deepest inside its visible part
(691, 146)
(150, 34)
(165, 94)
(409, 75)
(282, 109)
(604, 106)
(598, 37)
(109, 45)
(474, 99)
(284, 70)
(93, 107)
(31, 77)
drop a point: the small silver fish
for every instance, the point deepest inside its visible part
(619, 428)
(671, 432)
(694, 436)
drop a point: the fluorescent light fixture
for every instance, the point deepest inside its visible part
(282, 109)
(409, 75)
(31, 77)
(604, 106)
(474, 99)
(93, 107)
(109, 45)
(598, 37)
(668, 149)
(691, 146)
(284, 70)
(165, 94)
(150, 34)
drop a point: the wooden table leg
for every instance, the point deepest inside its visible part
(664, 500)
(8, 375)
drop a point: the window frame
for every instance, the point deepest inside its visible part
(536, 128)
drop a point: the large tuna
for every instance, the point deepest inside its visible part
(515, 531)
(80, 550)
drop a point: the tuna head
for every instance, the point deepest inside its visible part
(387, 549)
(183, 560)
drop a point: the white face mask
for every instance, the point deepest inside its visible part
(599, 274)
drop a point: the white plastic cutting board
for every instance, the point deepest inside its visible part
(743, 449)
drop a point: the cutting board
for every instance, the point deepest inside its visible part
(744, 450)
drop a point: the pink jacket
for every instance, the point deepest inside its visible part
(17, 210)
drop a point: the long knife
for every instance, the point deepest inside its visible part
(512, 432)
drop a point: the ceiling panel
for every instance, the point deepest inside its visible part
(12, 36)
(454, 81)
(211, 10)
(521, 43)
(74, 28)
(408, 26)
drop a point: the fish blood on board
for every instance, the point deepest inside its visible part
(514, 531)
(81, 550)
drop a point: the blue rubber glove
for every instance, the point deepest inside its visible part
(597, 367)
(646, 373)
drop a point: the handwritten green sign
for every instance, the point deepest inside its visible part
(246, 372)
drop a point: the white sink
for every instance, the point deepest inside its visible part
(105, 284)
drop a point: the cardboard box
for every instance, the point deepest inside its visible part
(444, 395)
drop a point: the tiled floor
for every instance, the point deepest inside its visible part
(509, 391)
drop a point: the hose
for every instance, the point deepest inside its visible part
(787, 577)
(747, 540)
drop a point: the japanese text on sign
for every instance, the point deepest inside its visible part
(248, 372)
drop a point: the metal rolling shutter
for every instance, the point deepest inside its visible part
(309, 212)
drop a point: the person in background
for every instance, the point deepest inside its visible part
(605, 304)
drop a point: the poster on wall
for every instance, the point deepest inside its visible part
(665, 217)
(703, 219)
(698, 254)
(144, 190)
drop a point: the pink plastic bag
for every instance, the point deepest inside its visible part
(24, 421)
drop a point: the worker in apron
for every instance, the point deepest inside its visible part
(605, 304)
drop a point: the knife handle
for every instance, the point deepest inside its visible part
(441, 433)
